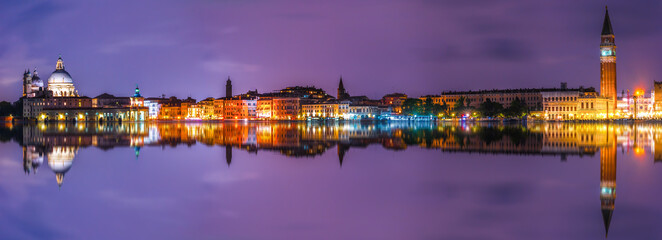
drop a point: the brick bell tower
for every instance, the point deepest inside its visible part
(608, 63)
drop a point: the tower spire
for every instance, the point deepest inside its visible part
(606, 26)
(60, 64)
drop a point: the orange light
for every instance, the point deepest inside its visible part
(639, 151)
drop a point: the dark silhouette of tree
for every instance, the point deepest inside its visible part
(490, 109)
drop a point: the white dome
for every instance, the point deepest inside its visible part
(60, 76)
(60, 166)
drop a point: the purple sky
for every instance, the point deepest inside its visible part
(188, 48)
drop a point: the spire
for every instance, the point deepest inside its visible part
(606, 26)
(60, 64)
(341, 86)
(59, 177)
(606, 216)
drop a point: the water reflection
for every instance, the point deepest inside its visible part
(59, 143)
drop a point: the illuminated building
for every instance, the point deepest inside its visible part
(60, 82)
(395, 100)
(327, 109)
(137, 100)
(32, 84)
(240, 108)
(561, 105)
(532, 97)
(219, 108)
(636, 106)
(608, 63)
(657, 98)
(264, 108)
(362, 112)
(154, 107)
(286, 108)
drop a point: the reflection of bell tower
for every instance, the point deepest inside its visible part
(342, 149)
(608, 180)
(228, 154)
(608, 63)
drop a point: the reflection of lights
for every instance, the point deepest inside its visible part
(639, 151)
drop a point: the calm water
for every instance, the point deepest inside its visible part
(330, 181)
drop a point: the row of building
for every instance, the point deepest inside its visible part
(59, 101)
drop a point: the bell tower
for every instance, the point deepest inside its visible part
(608, 63)
(228, 88)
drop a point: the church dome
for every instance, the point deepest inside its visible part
(60, 76)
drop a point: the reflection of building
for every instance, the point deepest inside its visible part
(60, 159)
(608, 180)
(32, 159)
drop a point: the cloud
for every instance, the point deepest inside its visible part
(227, 66)
(121, 199)
(218, 178)
(506, 50)
(137, 42)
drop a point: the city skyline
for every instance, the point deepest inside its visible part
(367, 40)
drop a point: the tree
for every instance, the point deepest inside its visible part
(428, 107)
(459, 107)
(517, 109)
(490, 109)
(6, 108)
(412, 106)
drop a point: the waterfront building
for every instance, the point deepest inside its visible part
(219, 108)
(34, 107)
(194, 111)
(327, 109)
(171, 109)
(575, 105)
(358, 112)
(560, 105)
(395, 100)
(109, 100)
(264, 108)
(636, 106)
(286, 108)
(657, 97)
(240, 108)
(153, 106)
(532, 97)
(137, 100)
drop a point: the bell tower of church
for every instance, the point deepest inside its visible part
(608, 63)
(228, 88)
